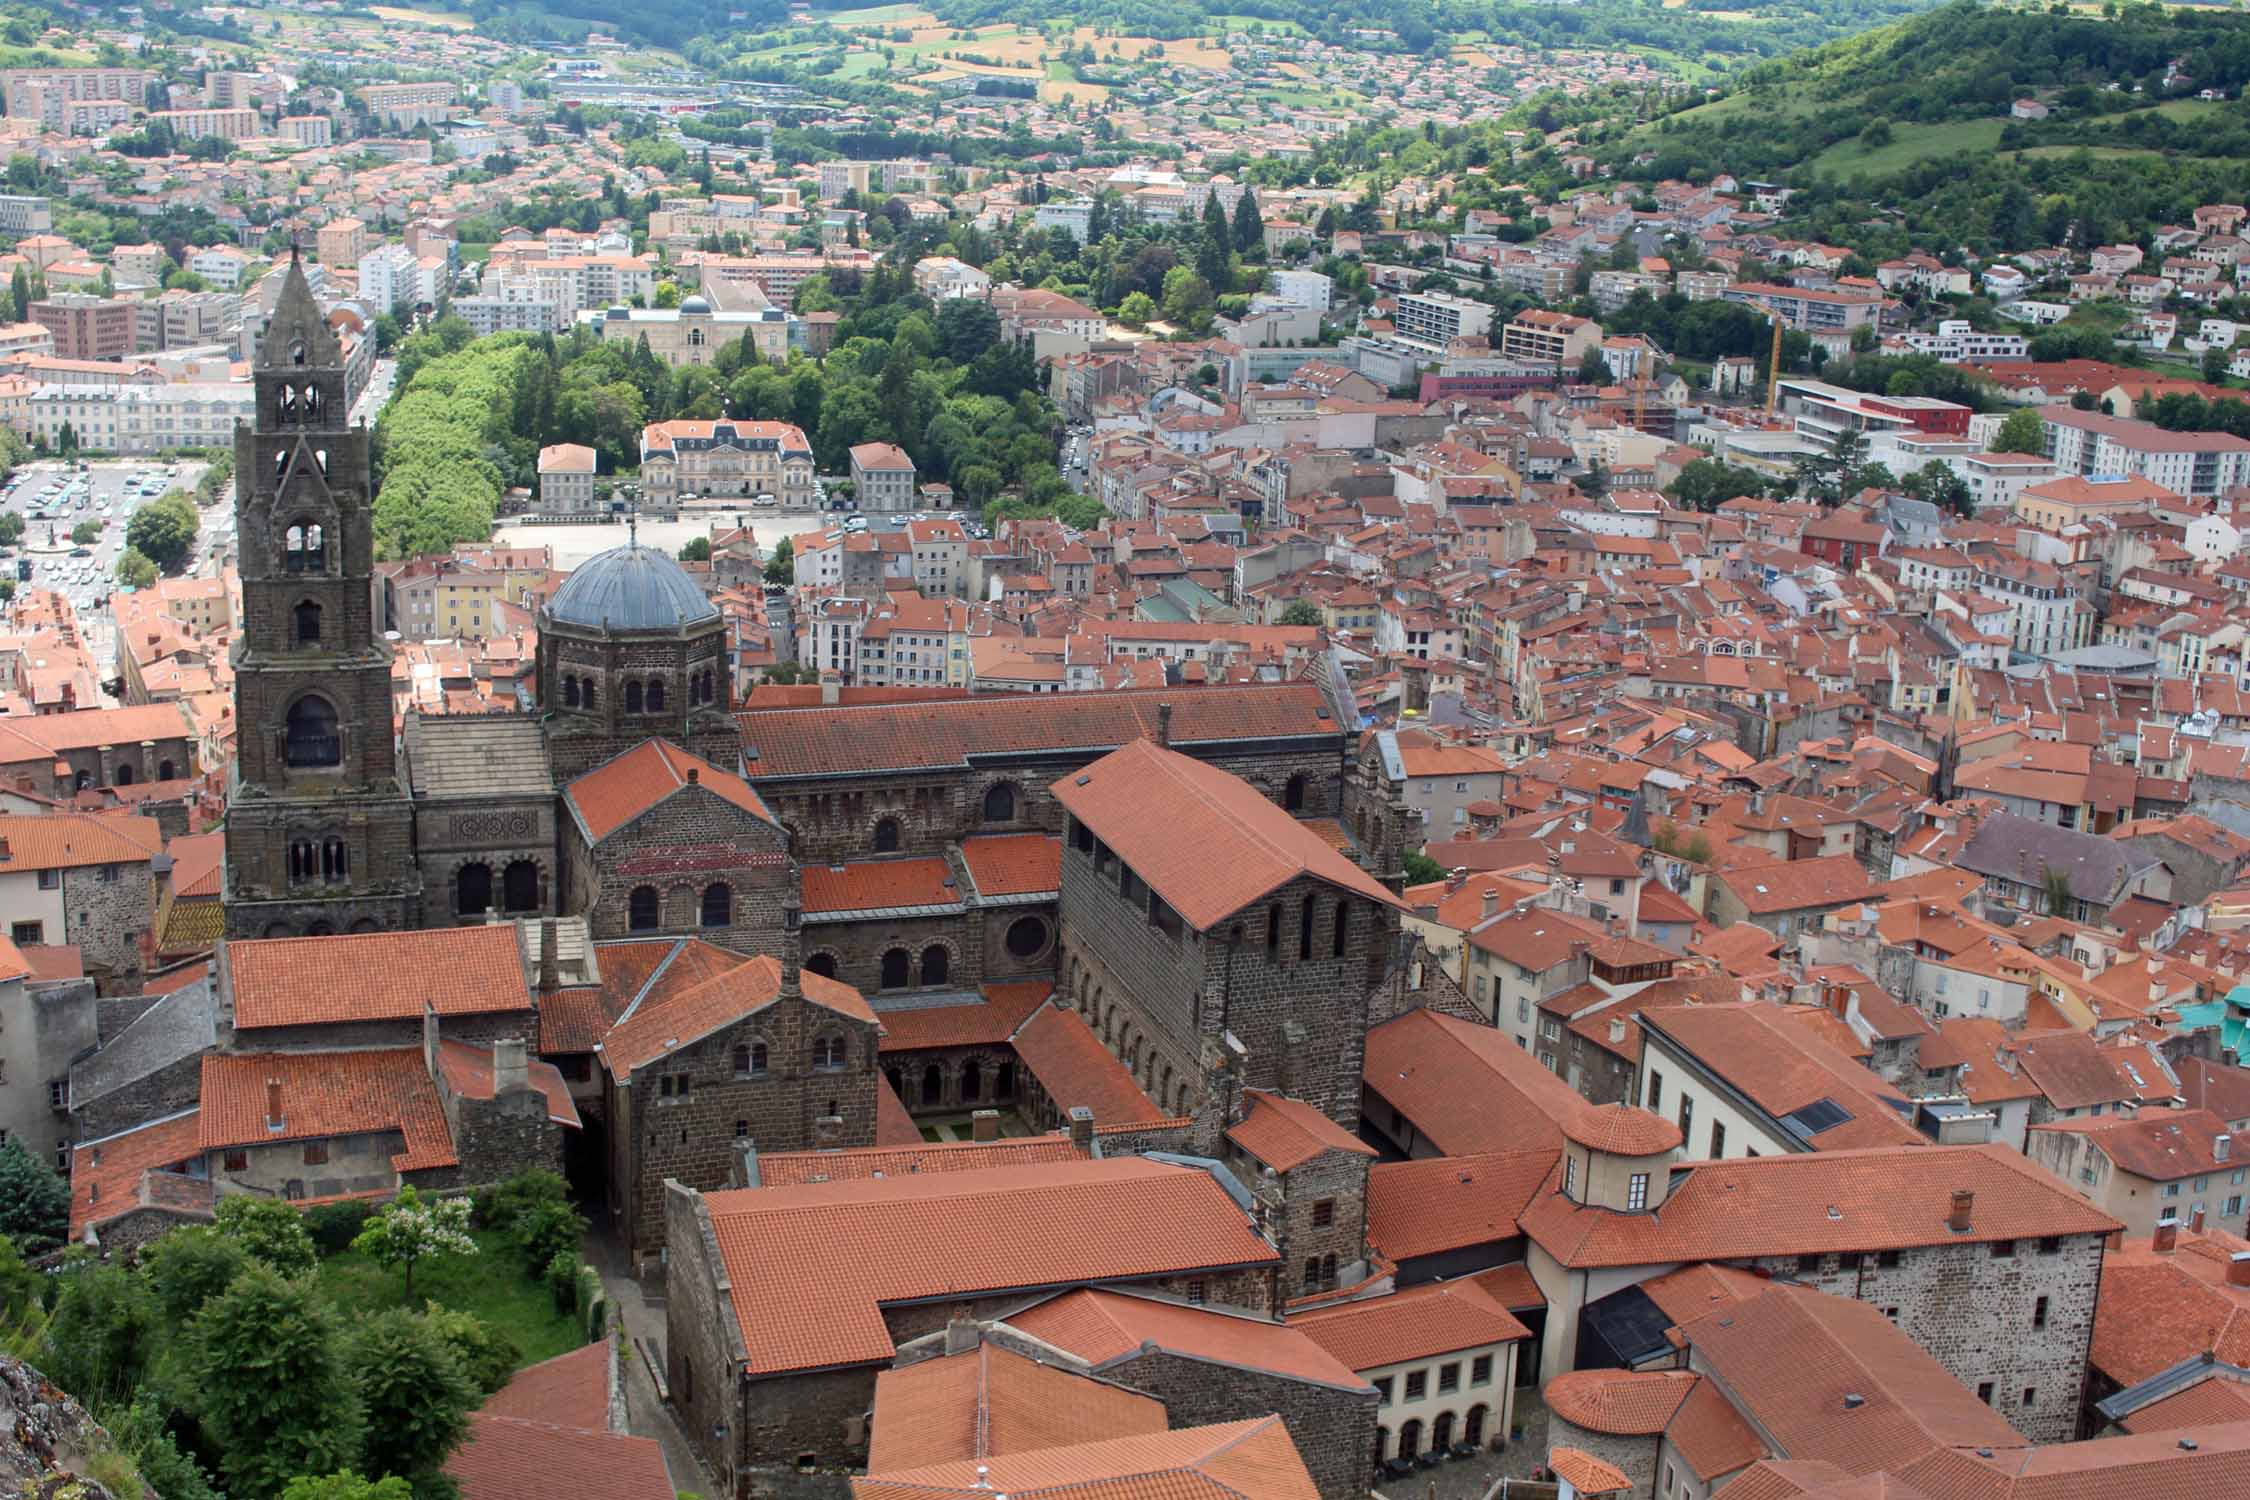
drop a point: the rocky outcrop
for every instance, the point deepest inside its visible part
(47, 1440)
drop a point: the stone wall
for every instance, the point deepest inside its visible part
(689, 842)
(1334, 1429)
(856, 949)
(110, 909)
(169, 1089)
(1635, 1457)
(703, 1349)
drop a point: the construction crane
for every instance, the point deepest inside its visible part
(1773, 367)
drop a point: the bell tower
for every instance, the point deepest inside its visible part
(320, 829)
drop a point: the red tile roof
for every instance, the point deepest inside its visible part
(1441, 1203)
(1074, 1068)
(60, 841)
(1783, 1068)
(1219, 845)
(1105, 1328)
(2215, 1399)
(796, 1168)
(1620, 1403)
(901, 736)
(989, 1400)
(811, 1267)
(619, 790)
(1252, 1460)
(988, 1023)
(570, 1390)
(105, 1174)
(1888, 1198)
(894, 1124)
(468, 1072)
(1286, 1133)
(1621, 1130)
(376, 976)
(1013, 864)
(878, 884)
(2156, 1310)
(324, 1095)
(2163, 1145)
(1469, 1088)
(506, 1458)
(1587, 1474)
(668, 1018)
(1438, 1317)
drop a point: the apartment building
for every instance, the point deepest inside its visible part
(139, 419)
(307, 130)
(1549, 338)
(340, 243)
(85, 326)
(24, 213)
(882, 477)
(1437, 319)
(44, 94)
(566, 479)
(402, 106)
(2204, 465)
(195, 124)
(1807, 309)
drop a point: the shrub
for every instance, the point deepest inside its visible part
(271, 1229)
(546, 1230)
(562, 1280)
(333, 1226)
(497, 1206)
(486, 1355)
(594, 1300)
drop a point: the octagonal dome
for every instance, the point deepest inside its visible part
(630, 588)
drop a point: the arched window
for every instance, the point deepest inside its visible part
(570, 691)
(1441, 1431)
(1382, 1444)
(1293, 795)
(750, 1060)
(656, 696)
(308, 622)
(633, 697)
(1328, 1269)
(898, 968)
(718, 904)
(641, 909)
(335, 859)
(586, 689)
(1472, 1430)
(1000, 803)
(933, 1085)
(519, 886)
(1312, 1273)
(823, 964)
(972, 1080)
(123, 775)
(1004, 1083)
(472, 889)
(165, 770)
(1410, 1439)
(741, 1061)
(293, 548)
(302, 862)
(897, 1081)
(309, 736)
(297, 351)
(886, 836)
(935, 961)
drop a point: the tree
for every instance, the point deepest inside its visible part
(2215, 366)
(696, 549)
(134, 570)
(1421, 869)
(271, 1230)
(11, 528)
(781, 563)
(1136, 310)
(2024, 431)
(410, 1230)
(19, 1284)
(164, 531)
(1594, 370)
(85, 533)
(1249, 224)
(346, 1484)
(186, 1269)
(34, 1201)
(486, 1355)
(97, 1339)
(966, 327)
(415, 1395)
(19, 295)
(1301, 612)
(271, 1388)
(1708, 483)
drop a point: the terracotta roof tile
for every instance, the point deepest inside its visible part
(571, 1020)
(105, 1174)
(505, 1458)
(1711, 1435)
(1622, 1130)
(879, 884)
(1252, 1460)
(1783, 1069)
(1468, 1088)
(468, 1072)
(811, 1267)
(60, 841)
(900, 736)
(626, 786)
(1797, 884)
(1286, 1133)
(2156, 1310)
(1512, 1287)
(894, 1125)
(1013, 864)
(2215, 1399)
(796, 1168)
(326, 1094)
(1074, 1068)
(1436, 1318)
(570, 1390)
(1587, 1474)
(1441, 1203)
(989, 1022)
(1619, 1403)
(987, 1401)
(667, 1018)
(1106, 1328)
(376, 976)
(1219, 845)
(2163, 1145)
(1692, 1291)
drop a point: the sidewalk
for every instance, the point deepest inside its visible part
(637, 1313)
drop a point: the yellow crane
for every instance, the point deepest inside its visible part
(1773, 367)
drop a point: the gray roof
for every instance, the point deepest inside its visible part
(2020, 849)
(178, 1026)
(478, 755)
(630, 588)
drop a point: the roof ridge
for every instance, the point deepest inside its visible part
(679, 946)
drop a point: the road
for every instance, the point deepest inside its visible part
(371, 401)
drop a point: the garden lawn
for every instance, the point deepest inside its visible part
(490, 1284)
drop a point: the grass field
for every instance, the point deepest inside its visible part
(449, 20)
(490, 1284)
(874, 15)
(1910, 144)
(1014, 52)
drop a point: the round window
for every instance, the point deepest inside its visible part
(1027, 937)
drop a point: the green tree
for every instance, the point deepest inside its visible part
(19, 1284)
(2060, 898)
(2215, 366)
(346, 1485)
(19, 295)
(1708, 483)
(1136, 310)
(781, 563)
(97, 1340)
(164, 530)
(270, 1230)
(486, 1355)
(411, 1229)
(1594, 370)
(186, 1269)
(85, 533)
(696, 549)
(271, 1387)
(966, 327)
(11, 528)
(34, 1201)
(1214, 245)
(1249, 224)
(1421, 869)
(2023, 431)
(416, 1399)
(1301, 612)
(135, 571)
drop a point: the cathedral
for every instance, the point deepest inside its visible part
(336, 824)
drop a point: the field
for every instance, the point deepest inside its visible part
(450, 20)
(490, 1284)
(1910, 144)
(1021, 55)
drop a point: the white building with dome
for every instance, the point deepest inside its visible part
(694, 332)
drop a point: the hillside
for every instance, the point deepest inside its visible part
(1939, 86)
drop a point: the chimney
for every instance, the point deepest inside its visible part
(1455, 878)
(792, 920)
(1617, 1031)
(1491, 903)
(2195, 1220)
(962, 1334)
(511, 1068)
(273, 1105)
(984, 1125)
(828, 1132)
(550, 959)
(2167, 1235)
(831, 689)
(2238, 1268)
(1963, 1202)
(1081, 1130)
(1164, 724)
(694, 774)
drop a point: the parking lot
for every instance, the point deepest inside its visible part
(55, 497)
